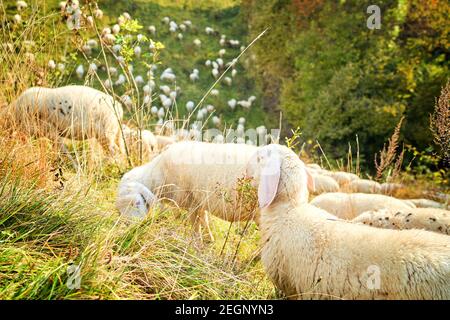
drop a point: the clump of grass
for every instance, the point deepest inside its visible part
(388, 157)
(440, 123)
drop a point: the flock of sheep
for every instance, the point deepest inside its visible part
(330, 246)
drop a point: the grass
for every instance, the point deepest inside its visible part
(45, 229)
(52, 216)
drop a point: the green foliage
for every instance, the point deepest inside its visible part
(335, 78)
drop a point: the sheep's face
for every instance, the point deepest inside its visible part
(278, 172)
(134, 200)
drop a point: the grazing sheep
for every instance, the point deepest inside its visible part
(76, 112)
(363, 186)
(52, 64)
(437, 220)
(350, 205)
(201, 177)
(134, 199)
(308, 254)
(162, 141)
(323, 184)
(21, 5)
(133, 138)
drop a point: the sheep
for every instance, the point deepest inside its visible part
(313, 166)
(363, 186)
(115, 29)
(197, 43)
(190, 106)
(200, 177)
(390, 188)
(21, 5)
(343, 177)
(437, 220)
(426, 203)
(98, 13)
(133, 138)
(76, 112)
(232, 103)
(162, 141)
(323, 184)
(137, 51)
(17, 19)
(152, 29)
(227, 81)
(52, 64)
(309, 254)
(349, 205)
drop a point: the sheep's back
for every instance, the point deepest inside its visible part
(328, 259)
(206, 176)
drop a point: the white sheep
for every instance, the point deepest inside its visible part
(343, 177)
(190, 106)
(21, 5)
(163, 141)
(200, 177)
(215, 73)
(309, 254)
(197, 43)
(98, 13)
(134, 199)
(135, 140)
(228, 81)
(115, 29)
(437, 220)
(52, 64)
(152, 29)
(350, 205)
(137, 51)
(86, 49)
(390, 188)
(323, 184)
(427, 203)
(76, 112)
(363, 186)
(232, 103)
(80, 71)
(17, 18)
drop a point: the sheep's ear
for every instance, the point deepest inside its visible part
(269, 179)
(310, 181)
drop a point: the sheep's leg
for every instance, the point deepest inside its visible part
(107, 142)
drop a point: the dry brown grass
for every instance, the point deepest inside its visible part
(388, 155)
(440, 123)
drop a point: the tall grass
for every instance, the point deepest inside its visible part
(54, 215)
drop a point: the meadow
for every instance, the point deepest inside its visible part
(54, 215)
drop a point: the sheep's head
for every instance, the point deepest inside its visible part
(134, 200)
(279, 175)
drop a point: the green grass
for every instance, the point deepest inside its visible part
(43, 232)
